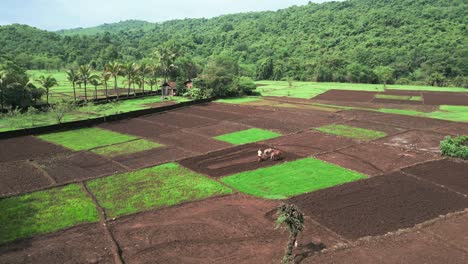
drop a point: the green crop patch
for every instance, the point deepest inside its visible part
(238, 100)
(86, 138)
(126, 148)
(155, 187)
(352, 132)
(398, 97)
(44, 212)
(291, 178)
(247, 136)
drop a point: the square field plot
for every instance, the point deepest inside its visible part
(238, 109)
(350, 162)
(409, 121)
(311, 143)
(152, 157)
(24, 148)
(352, 132)
(155, 187)
(179, 120)
(247, 136)
(450, 173)
(306, 119)
(291, 178)
(378, 205)
(83, 244)
(126, 148)
(387, 129)
(19, 177)
(209, 113)
(139, 128)
(87, 138)
(192, 142)
(45, 211)
(79, 166)
(424, 141)
(232, 160)
(221, 128)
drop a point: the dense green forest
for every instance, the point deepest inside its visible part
(412, 41)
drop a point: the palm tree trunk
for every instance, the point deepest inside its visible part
(47, 96)
(85, 92)
(288, 257)
(105, 85)
(115, 87)
(95, 92)
(129, 87)
(74, 93)
(143, 86)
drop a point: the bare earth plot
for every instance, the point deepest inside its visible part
(161, 217)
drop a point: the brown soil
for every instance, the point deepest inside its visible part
(450, 173)
(230, 229)
(343, 95)
(402, 92)
(388, 129)
(138, 127)
(455, 129)
(310, 143)
(191, 142)
(213, 114)
(394, 101)
(359, 114)
(232, 160)
(23, 148)
(415, 140)
(82, 244)
(386, 158)
(178, 120)
(221, 128)
(378, 205)
(79, 166)
(152, 157)
(309, 120)
(351, 163)
(409, 121)
(441, 242)
(279, 126)
(232, 108)
(445, 98)
(19, 177)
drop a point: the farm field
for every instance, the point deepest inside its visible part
(185, 186)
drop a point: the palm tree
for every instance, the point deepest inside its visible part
(152, 82)
(94, 80)
(85, 76)
(114, 69)
(144, 71)
(73, 77)
(289, 216)
(129, 71)
(165, 58)
(47, 83)
(105, 76)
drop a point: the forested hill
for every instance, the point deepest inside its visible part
(334, 41)
(129, 25)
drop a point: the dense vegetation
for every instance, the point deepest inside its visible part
(387, 41)
(455, 147)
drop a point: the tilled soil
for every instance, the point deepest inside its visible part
(232, 108)
(309, 120)
(409, 121)
(378, 205)
(138, 127)
(179, 120)
(448, 172)
(456, 129)
(310, 143)
(230, 229)
(152, 157)
(213, 114)
(280, 126)
(441, 242)
(402, 92)
(351, 163)
(343, 95)
(20, 177)
(82, 244)
(232, 160)
(395, 101)
(359, 114)
(388, 129)
(192, 142)
(386, 158)
(221, 128)
(415, 140)
(445, 98)
(24, 148)
(79, 166)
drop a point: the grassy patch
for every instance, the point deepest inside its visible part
(291, 178)
(247, 136)
(398, 97)
(155, 187)
(352, 132)
(456, 147)
(238, 100)
(126, 148)
(87, 138)
(45, 211)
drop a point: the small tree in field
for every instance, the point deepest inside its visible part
(384, 74)
(59, 110)
(291, 218)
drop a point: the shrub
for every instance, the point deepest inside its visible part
(245, 85)
(455, 147)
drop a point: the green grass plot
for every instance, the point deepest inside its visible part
(352, 132)
(44, 212)
(247, 136)
(86, 138)
(126, 148)
(155, 187)
(291, 178)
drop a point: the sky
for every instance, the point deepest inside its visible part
(65, 14)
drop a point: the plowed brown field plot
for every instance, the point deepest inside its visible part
(238, 109)
(83, 244)
(448, 172)
(415, 140)
(213, 114)
(179, 120)
(395, 101)
(343, 95)
(409, 121)
(221, 128)
(20, 177)
(309, 120)
(445, 98)
(23, 148)
(191, 142)
(140, 128)
(311, 143)
(455, 129)
(352, 163)
(79, 166)
(152, 157)
(388, 129)
(280, 126)
(379, 205)
(232, 160)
